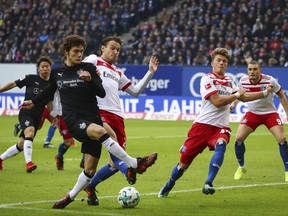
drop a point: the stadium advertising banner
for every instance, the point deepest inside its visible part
(166, 81)
(176, 108)
(192, 76)
(172, 94)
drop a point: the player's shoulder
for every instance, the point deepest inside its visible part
(57, 67)
(245, 79)
(266, 77)
(32, 77)
(92, 58)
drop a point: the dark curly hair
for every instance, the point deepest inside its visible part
(73, 40)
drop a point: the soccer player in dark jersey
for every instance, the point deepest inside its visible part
(29, 119)
(78, 85)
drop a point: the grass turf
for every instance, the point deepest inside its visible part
(262, 190)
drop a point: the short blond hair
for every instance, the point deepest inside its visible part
(220, 51)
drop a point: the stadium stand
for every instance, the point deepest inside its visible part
(178, 32)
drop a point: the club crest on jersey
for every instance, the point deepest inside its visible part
(27, 123)
(79, 71)
(207, 86)
(82, 125)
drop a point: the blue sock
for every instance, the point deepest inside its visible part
(62, 150)
(216, 161)
(120, 165)
(50, 134)
(283, 147)
(177, 172)
(239, 151)
(105, 172)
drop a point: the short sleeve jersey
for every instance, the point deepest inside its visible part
(77, 96)
(210, 114)
(113, 80)
(34, 85)
(263, 105)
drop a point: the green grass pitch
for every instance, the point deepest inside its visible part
(262, 191)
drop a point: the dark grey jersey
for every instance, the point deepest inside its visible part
(78, 97)
(34, 86)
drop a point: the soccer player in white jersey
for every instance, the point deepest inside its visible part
(211, 128)
(113, 80)
(261, 112)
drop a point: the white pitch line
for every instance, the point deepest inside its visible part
(143, 137)
(67, 211)
(152, 193)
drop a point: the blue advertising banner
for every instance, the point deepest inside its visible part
(173, 90)
(192, 76)
(166, 81)
(146, 107)
(185, 81)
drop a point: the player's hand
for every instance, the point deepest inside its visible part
(98, 72)
(27, 105)
(153, 64)
(85, 75)
(241, 91)
(269, 88)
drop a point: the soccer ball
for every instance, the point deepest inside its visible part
(128, 197)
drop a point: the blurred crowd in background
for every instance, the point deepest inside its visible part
(178, 32)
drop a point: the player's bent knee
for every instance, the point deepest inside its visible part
(220, 147)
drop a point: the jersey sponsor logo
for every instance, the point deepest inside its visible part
(36, 91)
(110, 75)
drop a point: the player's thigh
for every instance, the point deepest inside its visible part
(243, 132)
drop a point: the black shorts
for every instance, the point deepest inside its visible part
(92, 147)
(27, 120)
(77, 128)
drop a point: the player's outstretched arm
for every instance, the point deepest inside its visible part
(136, 90)
(257, 95)
(7, 86)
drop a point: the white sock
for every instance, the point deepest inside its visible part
(82, 182)
(10, 152)
(27, 150)
(115, 149)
